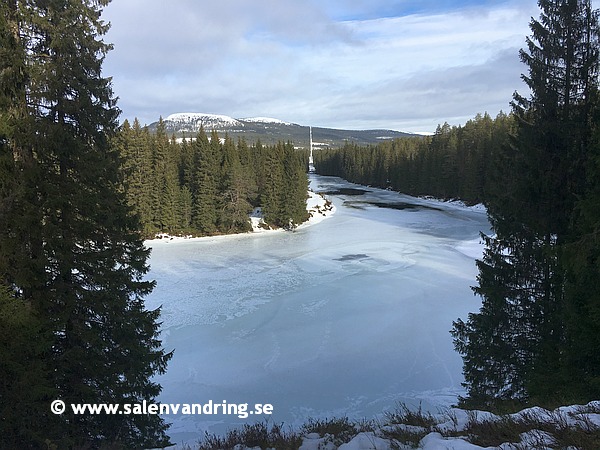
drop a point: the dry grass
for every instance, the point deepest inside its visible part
(405, 427)
(260, 435)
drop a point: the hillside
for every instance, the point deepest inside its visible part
(270, 130)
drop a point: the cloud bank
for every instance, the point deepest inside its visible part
(404, 65)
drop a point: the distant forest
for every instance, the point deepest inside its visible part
(536, 337)
(205, 186)
(455, 163)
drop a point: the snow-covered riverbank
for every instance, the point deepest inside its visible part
(318, 207)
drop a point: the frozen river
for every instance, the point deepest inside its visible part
(343, 318)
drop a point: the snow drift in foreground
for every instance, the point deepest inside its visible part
(457, 429)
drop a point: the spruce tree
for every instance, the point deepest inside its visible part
(25, 388)
(273, 188)
(133, 145)
(234, 192)
(205, 188)
(523, 272)
(248, 174)
(165, 190)
(295, 187)
(581, 366)
(142, 177)
(74, 254)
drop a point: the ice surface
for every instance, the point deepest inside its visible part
(344, 318)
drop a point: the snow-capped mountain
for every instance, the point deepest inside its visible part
(191, 122)
(268, 130)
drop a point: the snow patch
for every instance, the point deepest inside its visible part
(266, 120)
(472, 249)
(207, 120)
(479, 207)
(457, 423)
(318, 207)
(366, 441)
(258, 223)
(435, 441)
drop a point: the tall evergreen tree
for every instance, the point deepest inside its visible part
(248, 173)
(234, 192)
(271, 196)
(522, 275)
(581, 366)
(74, 255)
(165, 194)
(133, 144)
(295, 187)
(205, 187)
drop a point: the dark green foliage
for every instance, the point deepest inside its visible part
(271, 200)
(208, 186)
(532, 339)
(165, 191)
(453, 163)
(294, 194)
(284, 195)
(582, 259)
(205, 173)
(233, 204)
(137, 169)
(504, 343)
(25, 387)
(71, 255)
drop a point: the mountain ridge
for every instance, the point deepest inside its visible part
(271, 130)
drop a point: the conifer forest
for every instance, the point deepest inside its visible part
(203, 185)
(79, 193)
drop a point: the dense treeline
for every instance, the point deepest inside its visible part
(73, 325)
(456, 162)
(207, 185)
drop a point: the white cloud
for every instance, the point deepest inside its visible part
(291, 60)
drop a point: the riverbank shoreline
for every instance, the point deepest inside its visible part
(318, 206)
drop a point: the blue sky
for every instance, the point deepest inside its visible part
(364, 9)
(400, 64)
